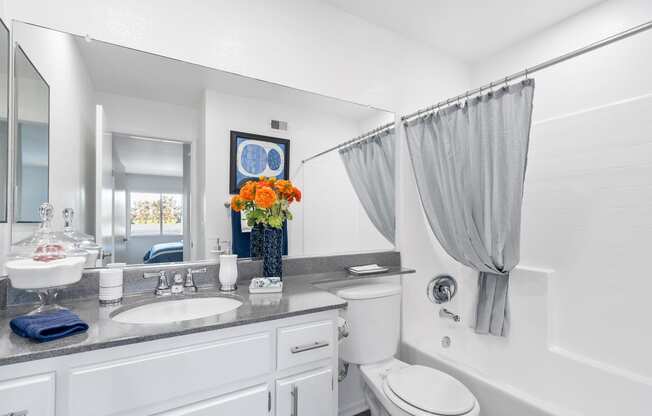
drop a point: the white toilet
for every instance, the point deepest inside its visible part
(393, 387)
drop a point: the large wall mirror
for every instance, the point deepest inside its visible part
(32, 104)
(147, 151)
(4, 120)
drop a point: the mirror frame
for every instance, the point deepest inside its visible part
(17, 48)
(4, 220)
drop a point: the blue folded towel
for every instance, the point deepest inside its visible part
(48, 326)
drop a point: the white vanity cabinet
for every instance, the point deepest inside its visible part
(258, 369)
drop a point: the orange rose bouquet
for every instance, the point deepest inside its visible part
(266, 201)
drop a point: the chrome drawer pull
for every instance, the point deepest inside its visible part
(308, 347)
(20, 413)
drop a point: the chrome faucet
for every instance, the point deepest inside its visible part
(163, 286)
(177, 284)
(189, 284)
(445, 313)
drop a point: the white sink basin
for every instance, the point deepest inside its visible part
(175, 310)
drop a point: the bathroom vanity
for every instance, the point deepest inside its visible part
(273, 355)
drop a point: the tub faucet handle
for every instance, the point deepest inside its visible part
(446, 291)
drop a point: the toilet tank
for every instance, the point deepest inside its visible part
(374, 317)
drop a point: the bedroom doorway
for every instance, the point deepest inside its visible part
(151, 199)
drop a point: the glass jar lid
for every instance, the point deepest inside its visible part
(45, 245)
(81, 240)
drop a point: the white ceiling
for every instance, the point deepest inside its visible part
(466, 29)
(134, 73)
(135, 155)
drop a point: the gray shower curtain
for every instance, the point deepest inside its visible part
(469, 163)
(370, 165)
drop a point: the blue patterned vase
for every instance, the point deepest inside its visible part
(272, 252)
(256, 241)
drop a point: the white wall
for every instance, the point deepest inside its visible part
(305, 44)
(329, 201)
(71, 119)
(138, 116)
(579, 340)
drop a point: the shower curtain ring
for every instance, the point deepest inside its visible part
(506, 83)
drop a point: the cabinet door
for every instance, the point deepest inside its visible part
(28, 396)
(306, 394)
(254, 401)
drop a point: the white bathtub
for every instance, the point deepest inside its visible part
(533, 372)
(495, 400)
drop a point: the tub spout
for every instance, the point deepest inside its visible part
(445, 313)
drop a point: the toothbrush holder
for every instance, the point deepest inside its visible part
(228, 272)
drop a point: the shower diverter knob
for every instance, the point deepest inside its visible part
(442, 289)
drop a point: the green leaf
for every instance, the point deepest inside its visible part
(275, 221)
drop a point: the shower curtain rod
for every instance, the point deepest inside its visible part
(527, 71)
(356, 139)
(524, 73)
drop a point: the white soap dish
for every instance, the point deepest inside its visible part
(367, 269)
(266, 285)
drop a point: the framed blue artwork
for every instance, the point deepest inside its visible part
(253, 155)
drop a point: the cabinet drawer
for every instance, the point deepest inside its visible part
(254, 401)
(28, 396)
(301, 344)
(138, 382)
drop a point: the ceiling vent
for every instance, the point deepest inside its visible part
(279, 125)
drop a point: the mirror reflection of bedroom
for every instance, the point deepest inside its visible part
(150, 194)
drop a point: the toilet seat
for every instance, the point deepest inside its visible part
(424, 391)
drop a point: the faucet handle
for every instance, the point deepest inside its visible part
(149, 275)
(163, 287)
(189, 284)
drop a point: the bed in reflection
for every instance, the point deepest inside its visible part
(164, 253)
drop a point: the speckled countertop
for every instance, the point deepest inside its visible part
(300, 296)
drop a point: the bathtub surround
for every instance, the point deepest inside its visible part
(370, 164)
(470, 170)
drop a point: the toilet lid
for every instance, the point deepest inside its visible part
(430, 390)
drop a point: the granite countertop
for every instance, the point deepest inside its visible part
(300, 296)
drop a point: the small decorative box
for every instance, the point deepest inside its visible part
(266, 285)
